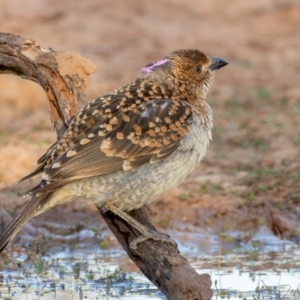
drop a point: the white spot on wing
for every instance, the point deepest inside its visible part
(71, 153)
(126, 165)
(55, 165)
(45, 176)
(84, 141)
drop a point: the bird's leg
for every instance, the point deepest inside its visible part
(146, 232)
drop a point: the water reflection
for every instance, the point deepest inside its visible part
(250, 271)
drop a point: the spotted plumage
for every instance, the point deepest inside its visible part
(153, 124)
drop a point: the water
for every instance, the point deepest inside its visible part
(263, 268)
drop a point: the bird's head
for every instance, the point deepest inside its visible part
(187, 72)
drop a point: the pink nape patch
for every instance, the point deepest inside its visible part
(156, 64)
(145, 70)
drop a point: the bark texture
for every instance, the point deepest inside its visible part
(64, 79)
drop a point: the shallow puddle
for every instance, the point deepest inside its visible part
(264, 268)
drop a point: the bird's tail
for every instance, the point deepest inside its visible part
(33, 208)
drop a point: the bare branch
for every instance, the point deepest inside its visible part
(62, 75)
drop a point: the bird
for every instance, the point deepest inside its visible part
(124, 149)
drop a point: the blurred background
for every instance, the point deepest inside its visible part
(254, 158)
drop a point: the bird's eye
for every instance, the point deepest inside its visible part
(198, 69)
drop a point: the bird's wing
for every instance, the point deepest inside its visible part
(116, 139)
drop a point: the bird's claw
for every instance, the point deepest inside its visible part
(154, 235)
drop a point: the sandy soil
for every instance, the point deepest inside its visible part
(250, 176)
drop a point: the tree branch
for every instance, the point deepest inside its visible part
(62, 75)
(64, 78)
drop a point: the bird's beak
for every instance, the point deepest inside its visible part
(217, 63)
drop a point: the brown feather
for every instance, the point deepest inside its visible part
(144, 130)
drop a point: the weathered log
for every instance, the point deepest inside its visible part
(64, 78)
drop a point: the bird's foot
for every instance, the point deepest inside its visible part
(146, 233)
(154, 235)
